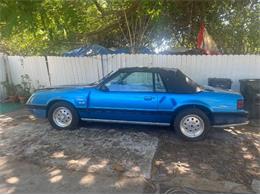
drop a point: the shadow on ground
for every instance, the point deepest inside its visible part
(113, 158)
(227, 161)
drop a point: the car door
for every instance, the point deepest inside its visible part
(129, 96)
(166, 101)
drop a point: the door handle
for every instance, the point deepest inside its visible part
(148, 98)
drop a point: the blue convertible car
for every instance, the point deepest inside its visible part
(157, 96)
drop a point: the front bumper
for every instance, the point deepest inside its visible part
(37, 110)
(230, 119)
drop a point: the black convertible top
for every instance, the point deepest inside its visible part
(174, 80)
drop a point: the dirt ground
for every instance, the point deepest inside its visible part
(113, 158)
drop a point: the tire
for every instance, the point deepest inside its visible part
(63, 115)
(192, 124)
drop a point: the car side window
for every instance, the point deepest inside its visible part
(132, 82)
(159, 86)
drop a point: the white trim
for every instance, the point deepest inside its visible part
(125, 122)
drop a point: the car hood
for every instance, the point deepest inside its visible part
(78, 86)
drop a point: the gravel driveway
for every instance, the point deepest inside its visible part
(110, 158)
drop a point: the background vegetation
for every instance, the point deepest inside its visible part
(48, 27)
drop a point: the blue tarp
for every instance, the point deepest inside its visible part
(91, 50)
(95, 49)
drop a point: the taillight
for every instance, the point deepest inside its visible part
(240, 104)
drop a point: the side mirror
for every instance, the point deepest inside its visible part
(103, 88)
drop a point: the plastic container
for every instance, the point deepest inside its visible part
(222, 83)
(250, 89)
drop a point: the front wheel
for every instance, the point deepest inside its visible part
(192, 124)
(62, 115)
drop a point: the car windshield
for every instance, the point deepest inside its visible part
(100, 80)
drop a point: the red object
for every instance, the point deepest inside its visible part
(200, 36)
(206, 42)
(240, 104)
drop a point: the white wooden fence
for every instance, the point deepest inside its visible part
(74, 70)
(35, 67)
(2, 76)
(53, 70)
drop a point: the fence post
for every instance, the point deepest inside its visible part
(48, 71)
(7, 69)
(102, 65)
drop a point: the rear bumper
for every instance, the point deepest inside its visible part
(230, 119)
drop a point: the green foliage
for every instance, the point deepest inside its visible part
(25, 88)
(9, 87)
(51, 27)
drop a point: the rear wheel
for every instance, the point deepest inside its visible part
(192, 124)
(62, 115)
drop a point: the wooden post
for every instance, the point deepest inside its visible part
(102, 65)
(47, 66)
(7, 69)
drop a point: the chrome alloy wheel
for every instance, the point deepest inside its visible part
(62, 117)
(192, 126)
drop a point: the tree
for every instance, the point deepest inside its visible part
(51, 27)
